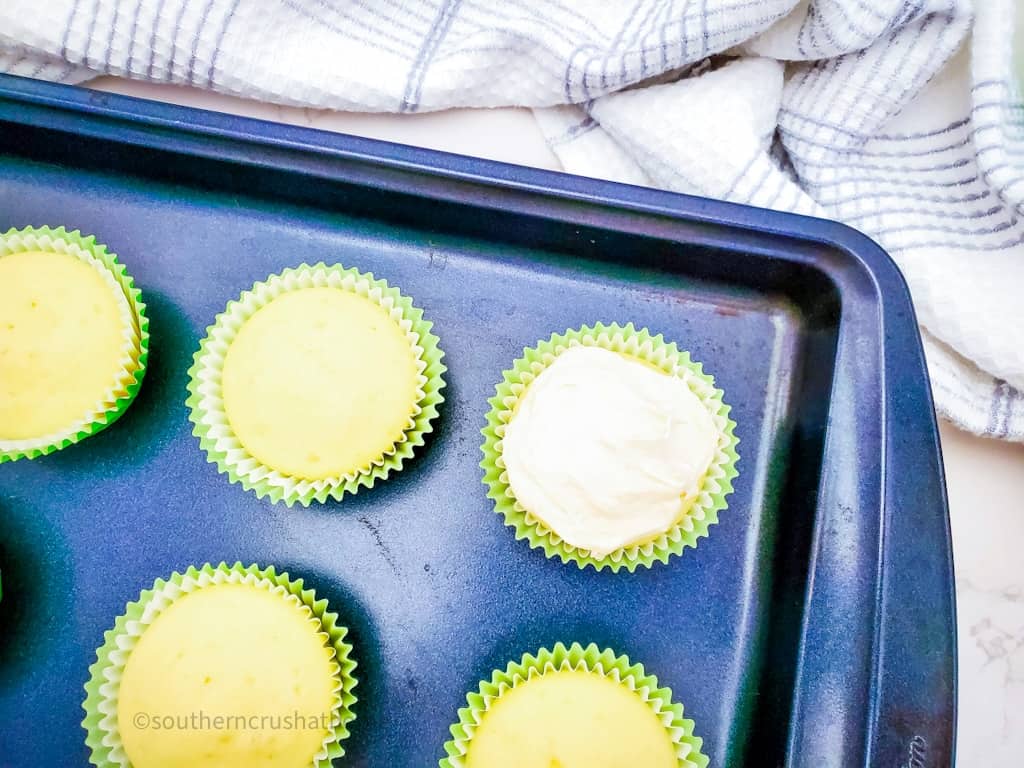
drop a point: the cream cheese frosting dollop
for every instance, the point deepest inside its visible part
(606, 450)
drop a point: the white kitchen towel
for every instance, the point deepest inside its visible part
(898, 117)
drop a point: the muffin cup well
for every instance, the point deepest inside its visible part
(717, 483)
(578, 658)
(102, 689)
(135, 346)
(206, 402)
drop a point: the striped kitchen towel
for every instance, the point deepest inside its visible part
(900, 117)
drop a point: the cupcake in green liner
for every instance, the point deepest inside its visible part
(221, 667)
(572, 707)
(316, 382)
(608, 446)
(74, 340)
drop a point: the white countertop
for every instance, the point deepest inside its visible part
(985, 478)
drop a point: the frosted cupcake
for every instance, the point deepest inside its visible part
(73, 340)
(316, 382)
(221, 667)
(572, 707)
(607, 446)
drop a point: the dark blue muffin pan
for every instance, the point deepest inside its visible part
(815, 627)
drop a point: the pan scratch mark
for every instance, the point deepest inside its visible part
(436, 259)
(381, 545)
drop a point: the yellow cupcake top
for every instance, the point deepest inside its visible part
(228, 676)
(319, 383)
(66, 341)
(570, 719)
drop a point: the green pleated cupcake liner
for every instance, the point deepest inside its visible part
(717, 483)
(206, 403)
(102, 690)
(136, 336)
(581, 659)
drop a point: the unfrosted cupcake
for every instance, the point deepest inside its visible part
(73, 340)
(314, 383)
(221, 667)
(572, 707)
(608, 446)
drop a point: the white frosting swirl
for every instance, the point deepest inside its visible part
(605, 450)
